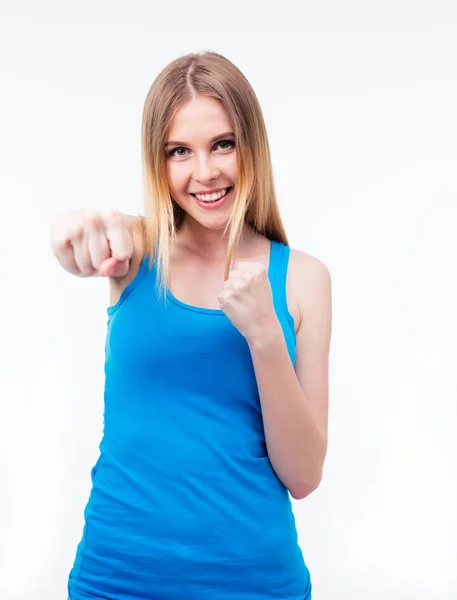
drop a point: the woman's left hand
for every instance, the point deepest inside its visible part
(247, 300)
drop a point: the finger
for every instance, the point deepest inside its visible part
(246, 264)
(108, 266)
(234, 284)
(222, 297)
(61, 245)
(254, 267)
(240, 274)
(79, 242)
(98, 245)
(119, 236)
(62, 242)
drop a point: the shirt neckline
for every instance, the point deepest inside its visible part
(216, 311)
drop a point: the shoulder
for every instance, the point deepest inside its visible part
(307, 265)
(310, 282)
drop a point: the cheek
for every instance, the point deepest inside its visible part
(233, 166)
(228, 168)
(176, 178)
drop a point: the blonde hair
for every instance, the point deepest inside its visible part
(211, 75)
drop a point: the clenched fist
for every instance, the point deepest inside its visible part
(88, 243)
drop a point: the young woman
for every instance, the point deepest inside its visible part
(216, 394)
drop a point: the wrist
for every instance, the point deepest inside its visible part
(266, 337)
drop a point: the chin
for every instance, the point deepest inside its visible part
(213, 224)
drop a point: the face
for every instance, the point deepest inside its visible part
(201, 158)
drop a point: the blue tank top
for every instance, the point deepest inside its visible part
(185, 503)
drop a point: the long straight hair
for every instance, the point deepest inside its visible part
(211, 75)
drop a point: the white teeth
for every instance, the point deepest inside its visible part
(211, 197)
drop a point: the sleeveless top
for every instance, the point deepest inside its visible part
(184, 500)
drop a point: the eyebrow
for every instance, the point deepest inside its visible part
(212, 140)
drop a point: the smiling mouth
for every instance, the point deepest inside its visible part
(214, 197)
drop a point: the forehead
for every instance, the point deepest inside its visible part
(199, 118)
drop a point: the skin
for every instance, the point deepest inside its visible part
(201, 165)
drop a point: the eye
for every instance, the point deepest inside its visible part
(231, 144)
(173, 152)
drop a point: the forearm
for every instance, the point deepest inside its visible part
(296, 445)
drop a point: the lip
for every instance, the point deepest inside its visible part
(217, 203)
(210, 191)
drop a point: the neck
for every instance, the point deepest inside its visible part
(209, 243)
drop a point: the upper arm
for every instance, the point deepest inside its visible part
(118, 284)
(313, 337)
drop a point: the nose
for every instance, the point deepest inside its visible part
(205, 170)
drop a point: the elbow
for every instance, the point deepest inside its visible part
(301, 490)
(300, 493)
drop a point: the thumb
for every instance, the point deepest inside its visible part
(111, 265)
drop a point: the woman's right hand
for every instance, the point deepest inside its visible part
(88, 243)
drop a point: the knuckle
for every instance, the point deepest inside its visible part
(87, 222)
(120, 255)
(78, 233)
(88, 270)
(60, 245)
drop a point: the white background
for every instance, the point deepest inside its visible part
(360, 104)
